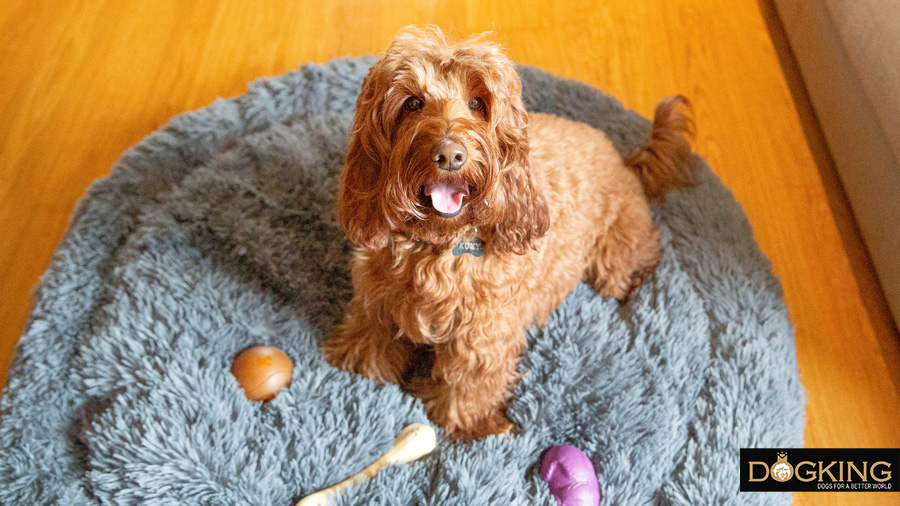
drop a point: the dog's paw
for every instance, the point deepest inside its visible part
(337, 352)
(495, 423)
(365, 357)
(621, 287)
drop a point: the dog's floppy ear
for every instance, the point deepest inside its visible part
(507, 112)
(521, 205)
(524, 216)
(359, 201)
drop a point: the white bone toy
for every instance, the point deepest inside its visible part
(413, 442)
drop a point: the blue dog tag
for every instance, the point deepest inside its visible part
(473, 245)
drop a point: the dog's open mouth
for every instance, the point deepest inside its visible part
(447, 196)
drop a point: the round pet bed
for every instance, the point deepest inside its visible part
(217, 233)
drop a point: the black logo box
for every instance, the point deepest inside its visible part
(845, 478)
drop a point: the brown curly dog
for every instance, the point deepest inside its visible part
(475, 219)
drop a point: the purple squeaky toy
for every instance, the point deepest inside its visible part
(571, 476)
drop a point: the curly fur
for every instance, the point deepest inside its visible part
(552, 200)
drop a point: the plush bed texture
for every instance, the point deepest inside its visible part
(217, 233)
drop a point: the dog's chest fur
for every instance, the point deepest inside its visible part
(433, 296)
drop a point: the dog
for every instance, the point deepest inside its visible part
(474, 219)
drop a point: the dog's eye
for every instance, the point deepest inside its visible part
(413, 104)
(476, 104)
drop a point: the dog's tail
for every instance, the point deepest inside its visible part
(664, 163)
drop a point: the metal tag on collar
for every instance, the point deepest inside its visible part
(472, 245)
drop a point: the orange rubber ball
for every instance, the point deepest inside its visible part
(262, 371)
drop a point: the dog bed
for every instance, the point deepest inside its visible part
(217, 233)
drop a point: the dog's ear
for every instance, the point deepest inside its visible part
(519, 201)
(522, 208)
(359, 201)
(508, 116)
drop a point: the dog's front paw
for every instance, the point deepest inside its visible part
(336, 352)
(495, 423)
(381, 358)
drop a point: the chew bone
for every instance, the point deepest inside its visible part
(413, 442)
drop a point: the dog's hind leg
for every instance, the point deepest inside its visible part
(627, 253)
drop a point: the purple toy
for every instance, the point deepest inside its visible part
(571, 477)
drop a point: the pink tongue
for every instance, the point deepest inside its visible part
(447, 196)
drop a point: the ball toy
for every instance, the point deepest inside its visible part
(571, 476)
(262, 371)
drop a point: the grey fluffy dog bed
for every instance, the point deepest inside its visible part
(217, 233)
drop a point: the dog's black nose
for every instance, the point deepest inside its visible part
(449, 155)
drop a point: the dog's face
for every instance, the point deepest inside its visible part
(438, 145)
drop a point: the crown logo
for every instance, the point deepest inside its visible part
(782, 470)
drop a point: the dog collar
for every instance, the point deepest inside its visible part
(471, 244)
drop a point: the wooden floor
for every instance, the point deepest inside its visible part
(82, 81)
